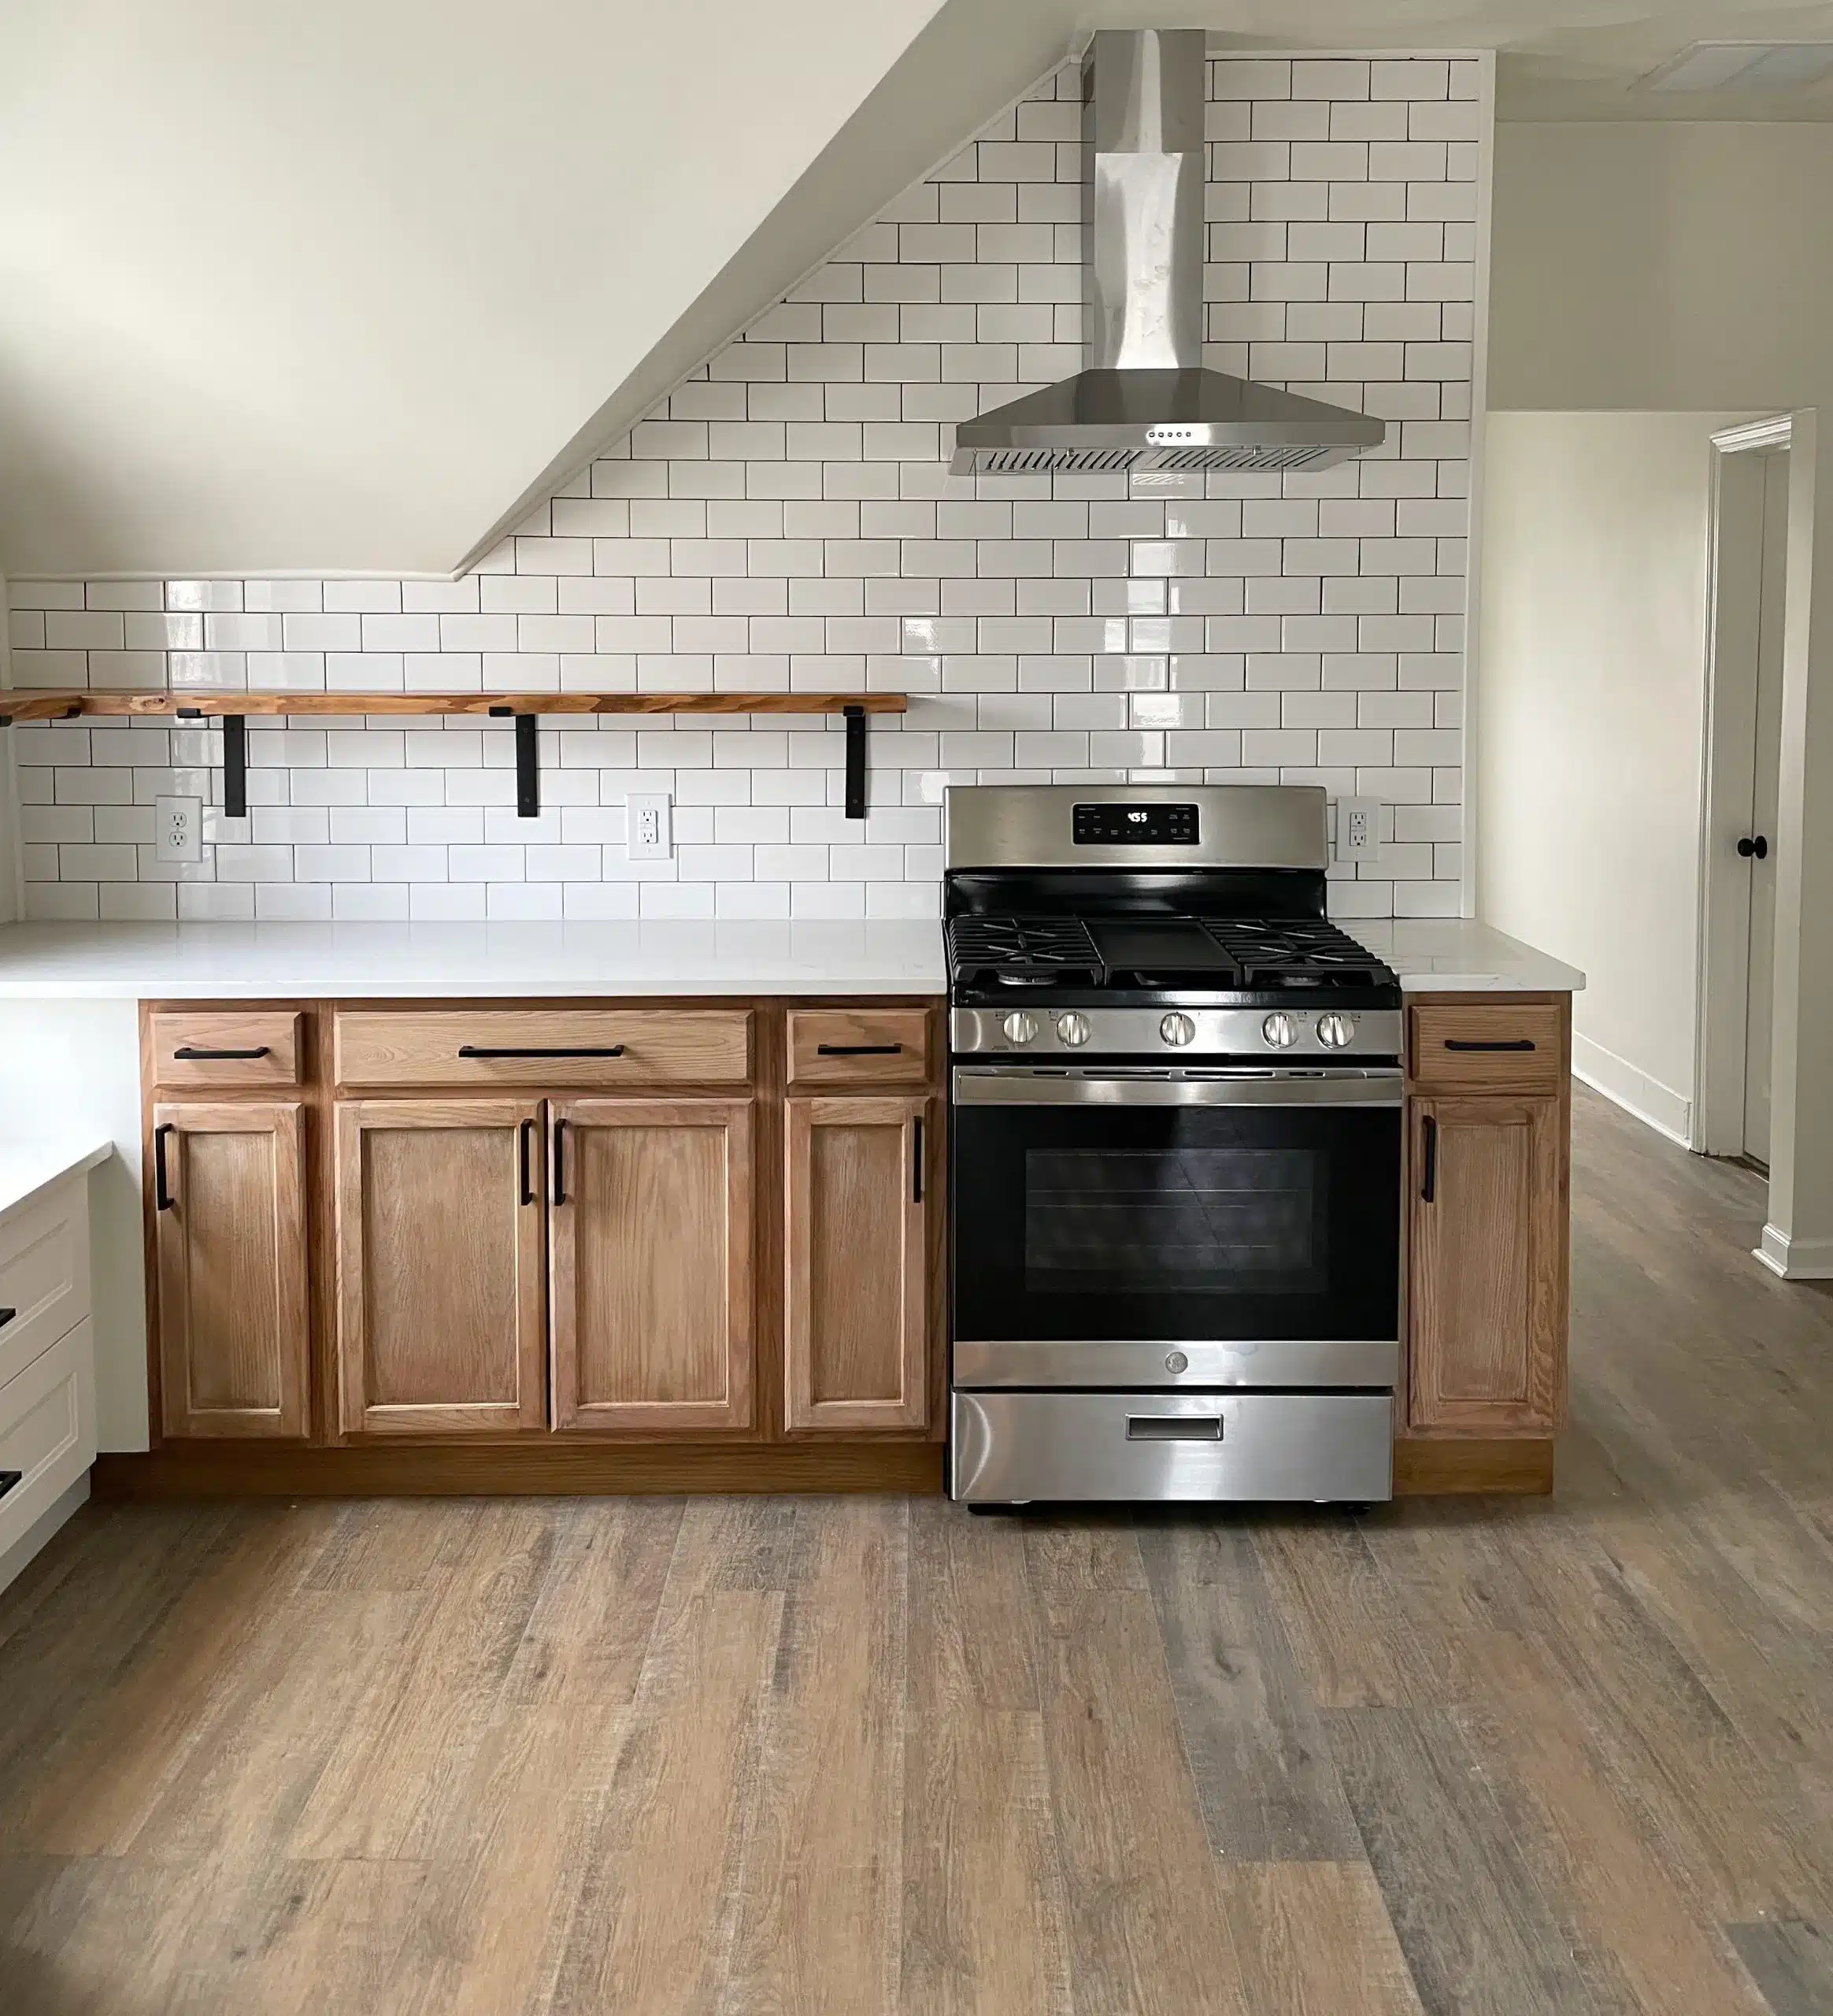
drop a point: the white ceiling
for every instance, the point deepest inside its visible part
(340, 287)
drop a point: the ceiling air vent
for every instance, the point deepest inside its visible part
(1743, 66)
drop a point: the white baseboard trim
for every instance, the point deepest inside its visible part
(1796, 1259)
(1656, 1105)
(59, 1513)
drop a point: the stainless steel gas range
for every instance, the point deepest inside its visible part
(1175, 1148)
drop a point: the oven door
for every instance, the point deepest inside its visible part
(1152, 1227)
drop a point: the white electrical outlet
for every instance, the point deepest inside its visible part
(648, 830)
(178, 829)
(1358, 835)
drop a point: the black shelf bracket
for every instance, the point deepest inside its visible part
(855, 762)
(234, 759)
(528, 762)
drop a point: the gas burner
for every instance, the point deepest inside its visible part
(1024, 951)
(1296, 952)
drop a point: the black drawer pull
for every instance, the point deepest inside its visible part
(559, 1168)
(1505, 1042)
(1428, 1159)
(188, 1053)
(857, 1049)
(1174, 1428)
(161, 1196)
(916, 1163)
(8, 1480)
(6, 1316)
(525, 1134)
(482, 1050)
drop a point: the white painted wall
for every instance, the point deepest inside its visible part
(1688, 268)
(1589, 698)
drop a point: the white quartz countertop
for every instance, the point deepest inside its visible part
(227, 961)
(29, 1168)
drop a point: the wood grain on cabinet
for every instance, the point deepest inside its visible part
(439, 1267)
(599, 1047)
(229, 1242)
(225, 1049)
(650, 1222)
(1479, 1045)
(858, 1046)
(1487, 1267)
(858, 1183)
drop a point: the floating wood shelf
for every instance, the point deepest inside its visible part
(233, 708)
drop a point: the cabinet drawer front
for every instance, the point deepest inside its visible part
(44, 1275)
(1487, 1046)
(225, 1047)
(858, 1046)
(587, 1047)
(47, 1430)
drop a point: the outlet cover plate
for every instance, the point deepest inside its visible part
(1358, 828)
(178, 829)
(648, 827)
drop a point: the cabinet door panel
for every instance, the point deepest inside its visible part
(230, 1241)
(1487, 1265)
(651, 1227)
(857, 1337)
(439, 1267)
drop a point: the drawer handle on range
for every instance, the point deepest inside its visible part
(1429, 1159)
(6, 1316)
(559, 1170)
(481, 1051)
(8, 1480)
(1174, 1428)
(189, 1054)
(1472, 1042)
(161, 1196)
(857, 1049)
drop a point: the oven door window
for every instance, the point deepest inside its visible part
(1176, 1222)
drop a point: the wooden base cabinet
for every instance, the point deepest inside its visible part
(856, 1195)
(650, 1218)
(229, 1257)
(440, 1270)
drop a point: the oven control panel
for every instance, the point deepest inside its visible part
(1343, 1036)
(1120, 825)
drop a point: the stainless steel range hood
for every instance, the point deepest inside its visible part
(1147, 403)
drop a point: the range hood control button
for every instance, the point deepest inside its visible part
(1020, 1027)
(1335, 1032)
(1280, 1032)
(1177, 1030)
(1073, 1029)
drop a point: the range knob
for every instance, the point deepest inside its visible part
(1279, 1030)
(1335, 1032)
(1073, 1029)
(1177, 1030)
(1020, 1027)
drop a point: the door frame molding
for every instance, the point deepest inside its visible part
(1733, 587)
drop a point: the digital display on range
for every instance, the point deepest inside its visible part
(1134, 825)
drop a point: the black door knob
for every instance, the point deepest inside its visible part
(1758, 847)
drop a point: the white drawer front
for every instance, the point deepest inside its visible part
(44, 1275)
(47, 1430)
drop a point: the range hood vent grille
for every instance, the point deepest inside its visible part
(1147, 402)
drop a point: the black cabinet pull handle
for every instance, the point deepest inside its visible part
(189, 1054)
(525, 1135)
(559, 1167)
(1509, 1043)
(857, 1049)
(161, 1196)
(6, 1316)
(485, 1051)
(1756, 848)
(916, 1161)
(8, 1480)
(1429, 1158)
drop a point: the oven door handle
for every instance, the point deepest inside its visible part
(1005, 1085)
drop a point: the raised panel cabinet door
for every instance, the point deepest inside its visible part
(228, 1195)
(1486, 1265)
(856, 1192)
(439, 1267)
(651, 1225)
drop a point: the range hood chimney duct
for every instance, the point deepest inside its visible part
(1146, 403)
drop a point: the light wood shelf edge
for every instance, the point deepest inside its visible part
(33, 705)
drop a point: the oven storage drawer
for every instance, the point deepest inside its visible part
(1009, 1448)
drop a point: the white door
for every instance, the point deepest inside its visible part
(1759, 1000)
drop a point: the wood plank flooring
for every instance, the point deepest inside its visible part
(744, 1756)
